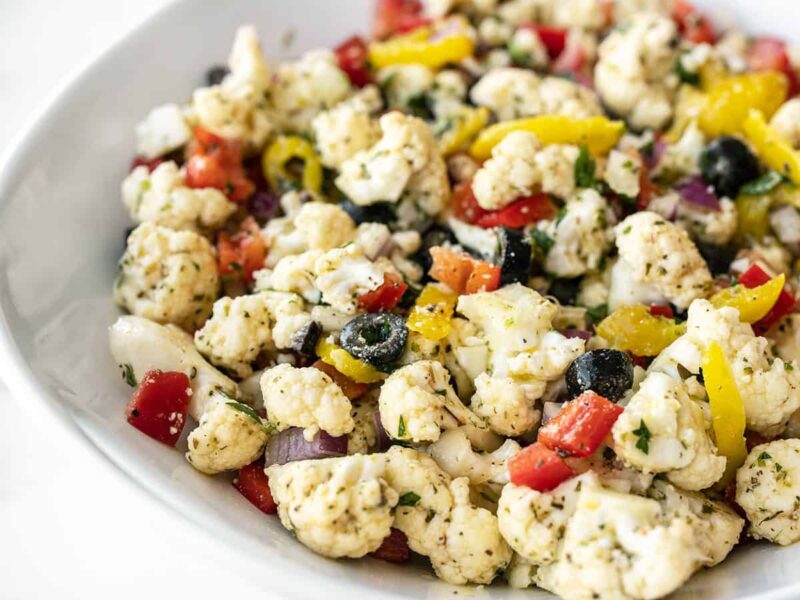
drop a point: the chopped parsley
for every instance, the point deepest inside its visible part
(401, 427)
(584, 169)
(542, 241)
(247, 410)
(128, 375)
(598, 313)
(763, 185)
(408, 499)
(643, 433)
(685, 75)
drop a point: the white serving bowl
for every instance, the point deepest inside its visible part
(62, 226)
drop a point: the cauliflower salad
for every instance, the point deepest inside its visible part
(506, 287)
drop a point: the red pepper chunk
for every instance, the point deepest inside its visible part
(397, 16)
(539, 468)
(553, 38)
(243, 253)
(386, 296)
(693, 24)
(159, 405)
(770, 54)
(464, 204)
(394, 548)
(756, 276)
(519, 213)
(462, 273)
(215, 162)
(352, 389)
(581, 426)
(353, 58)
(483, 278)
(662, 310)
(150, 163)
(253, 484)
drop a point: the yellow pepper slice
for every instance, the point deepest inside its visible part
(346, 364)
(598, 134)
(418, 48)
(432, 313)
(633, 329)
(771, 147)
(753, 216)
(285, 149)
(753, 304)
(730, 101)
(465, 126)
(727, 410)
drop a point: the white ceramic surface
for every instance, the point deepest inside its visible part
(61, 232)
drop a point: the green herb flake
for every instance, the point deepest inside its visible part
(128, 376)
(584, 169)
(542, 241)
(247, 410)
(643, 433)
(598, 313)
(685, 75)
(408, 499)
(401, 428)
(763, 185)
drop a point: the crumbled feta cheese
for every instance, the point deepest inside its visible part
(163, 130)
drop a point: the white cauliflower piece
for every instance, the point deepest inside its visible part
(304, 88)
(347, 128)
(511, 172)
(294, 273)
(580, 236)
(139, 345)
(556, 163)
(454, 454)
(225, 440)
(786, 122)
(288, 316)
(661, 254)
(404, 85)
(635, 71)
(364, 437)
(163, 130)
(712, 226)
(337, 507)
(417, 401)
(344, 274)
(305, 397)
(663, 430)
(621, 288)
(528, 50)
(622, 173)
(548, 361)
(787, 338)
(162, 198)
(167, 276)
(448, 93)
(585, 14)
(766, 488)
(683, 157)
(237, 332)
(237, 107)
(506, 405)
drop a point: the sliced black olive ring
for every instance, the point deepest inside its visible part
(376, 338)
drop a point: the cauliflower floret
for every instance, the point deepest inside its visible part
(294, 273)
(237, 108)
(417, 401)
(635, 71)
(336, 506)
(712, 226)
(661, 254)
(585, 14)
(468, 348)
(547, 362)
(304, 88)
(786, 122)
(769, 387)
(462, 541)
(405, 164)
(506, 405)
(162, 198)
(527, 48)
(364, 437)
(626, 10)
(167, 276)
(405, 85)
(622, 173)
(237, 332)
(288, 316)
(663, 430)
(621, 288)
(225, 440)
(453, 453)
(348, 128)
(683, 157)
(787, 338)
(163, 130)
(580, 236)
(448, 93)
(344, 274)
(766, 488)
(139, 345)
(307, 398)
(514, 93)
(418, 347)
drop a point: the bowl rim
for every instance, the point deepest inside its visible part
(17, 374)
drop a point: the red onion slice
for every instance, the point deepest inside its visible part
(290, 445)
(696, 191)
(576, 333)
(394, 548)
(384, 441)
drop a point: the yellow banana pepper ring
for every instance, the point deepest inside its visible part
(753, 216)
(753, 304)
(633, 329)
(466, 125)
(731, 99)
(771, 147)
(418, 48)
(432, 313)
(598, 134)
(727, 410)
(346, 364)
(277, 156)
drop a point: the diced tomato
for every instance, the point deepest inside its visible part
(352, 56)
(539, 468)
(462, 273)
(484, 278)
(693, 24)
(386, 296)
(581, 426)
(659, 310)
(770, 54)
(553, 38)
(217, 163)
(571, 61)
(756, 276)
(159, 405)
(150, 163)
(243, 253)
(464, 204)
(397, 16)
(253, 484)
(350, 388)
(394, 548)
(519, 213)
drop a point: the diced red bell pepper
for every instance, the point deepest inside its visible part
(462, 273)
(572, 61)
(519, 213)
(215, 162)
(553, 38)
(397, 16)
(484, 278)
(581, 426)
(243, 253)
(353, 59)
(464, 204)
(659, 310)
(756, 276)
(253, 484)
(386, 296)
(394, 548)
(150, 163)
(647, 189)
(159, 405)
(539, 468)
(693, 24)
(352, 389)
(770, 54)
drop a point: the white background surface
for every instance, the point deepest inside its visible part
(70, 527)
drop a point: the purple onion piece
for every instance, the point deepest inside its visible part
(290, 445)
(263, 205)
(576, 333)
(383, 439)
(653, 158)
(696, 191)
(550, 410)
